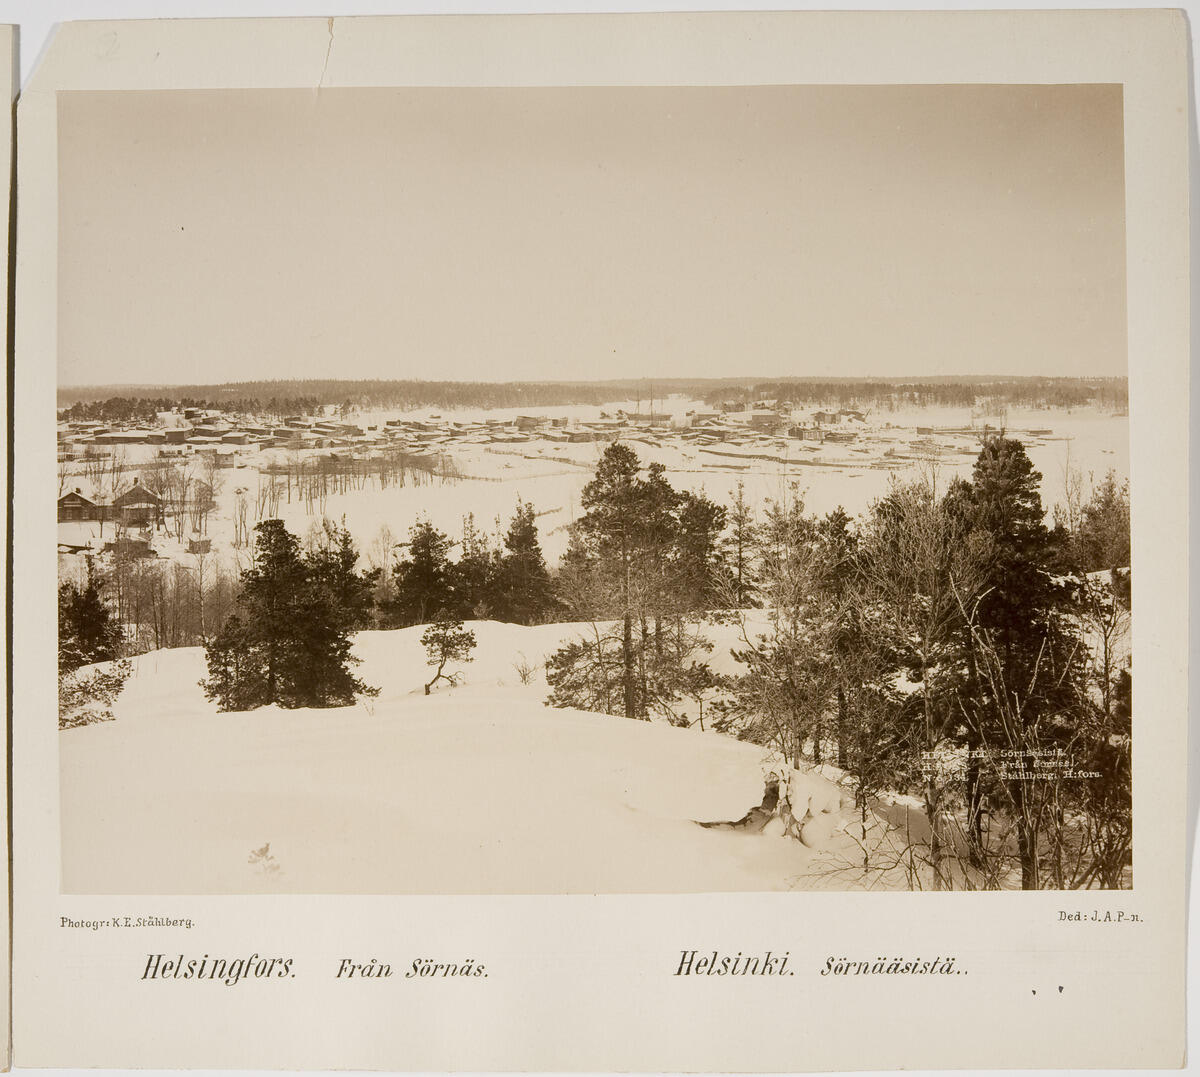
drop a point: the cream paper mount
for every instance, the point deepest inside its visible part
(145, 905)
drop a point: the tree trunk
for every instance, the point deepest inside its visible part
(841, 727)
(1026, 840)
(862, 800)
(643, 708)
(932, 808)
(932, 793)
(627, 646)
(974, 788)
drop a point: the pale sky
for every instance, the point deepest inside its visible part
(550, 234)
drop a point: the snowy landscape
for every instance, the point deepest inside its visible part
(482, 789)
(587, 489)
(491, 475)
(478, 786)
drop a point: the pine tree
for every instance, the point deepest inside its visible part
(741, 548)
(697, 569)
(446, 641)
(788, 684)
(612, 530)
(88, 630)
(837, 557)
(522, 589)
(321, 674)
(921, 566)
(473, 576)
(645, 555)
(424, 584)
(332, 563)
(1026, 661)
(237, 659)
(1102, 541)
(287, 641)
(1008, 510)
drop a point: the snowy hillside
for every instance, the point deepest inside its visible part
(479, 788)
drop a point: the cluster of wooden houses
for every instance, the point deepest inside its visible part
(230, 438)
(773, 420)
(135, 514)
(135, 507)
(193, 431)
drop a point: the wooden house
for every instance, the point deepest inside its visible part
(137, 507)
(765, 421)
(75, 505)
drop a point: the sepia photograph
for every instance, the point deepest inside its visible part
(594, 490)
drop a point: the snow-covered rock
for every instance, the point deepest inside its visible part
(818, 831)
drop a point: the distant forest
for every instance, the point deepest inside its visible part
(134, 403)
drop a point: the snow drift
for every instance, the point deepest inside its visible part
(475, 789)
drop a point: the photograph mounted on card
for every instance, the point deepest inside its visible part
(565, 482)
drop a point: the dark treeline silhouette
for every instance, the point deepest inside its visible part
(495, 577)
(282, 398)
(1020, 392)
(130, 409)
(279, 398)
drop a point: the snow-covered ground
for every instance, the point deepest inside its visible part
(479, 788)
(552, 475)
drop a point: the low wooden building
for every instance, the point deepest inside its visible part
(74, 505)
(765, 421)
(129, 547)
(137, 507)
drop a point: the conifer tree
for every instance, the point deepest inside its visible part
(1102, 540)
(1025, 645)
(332, 563)
(87, 629)
(446, 641)
(837, 566)
(921, 566)
(473, 577)
(741, 548)
(612, 529)
(1008, 508)
(643, 554)
(88, 632)
(697, 570)
(522, 591)
(287, 641)
(424, 578)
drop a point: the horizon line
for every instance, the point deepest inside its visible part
(732, 379)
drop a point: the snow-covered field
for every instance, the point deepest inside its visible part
(552, 475)
(479, 788)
